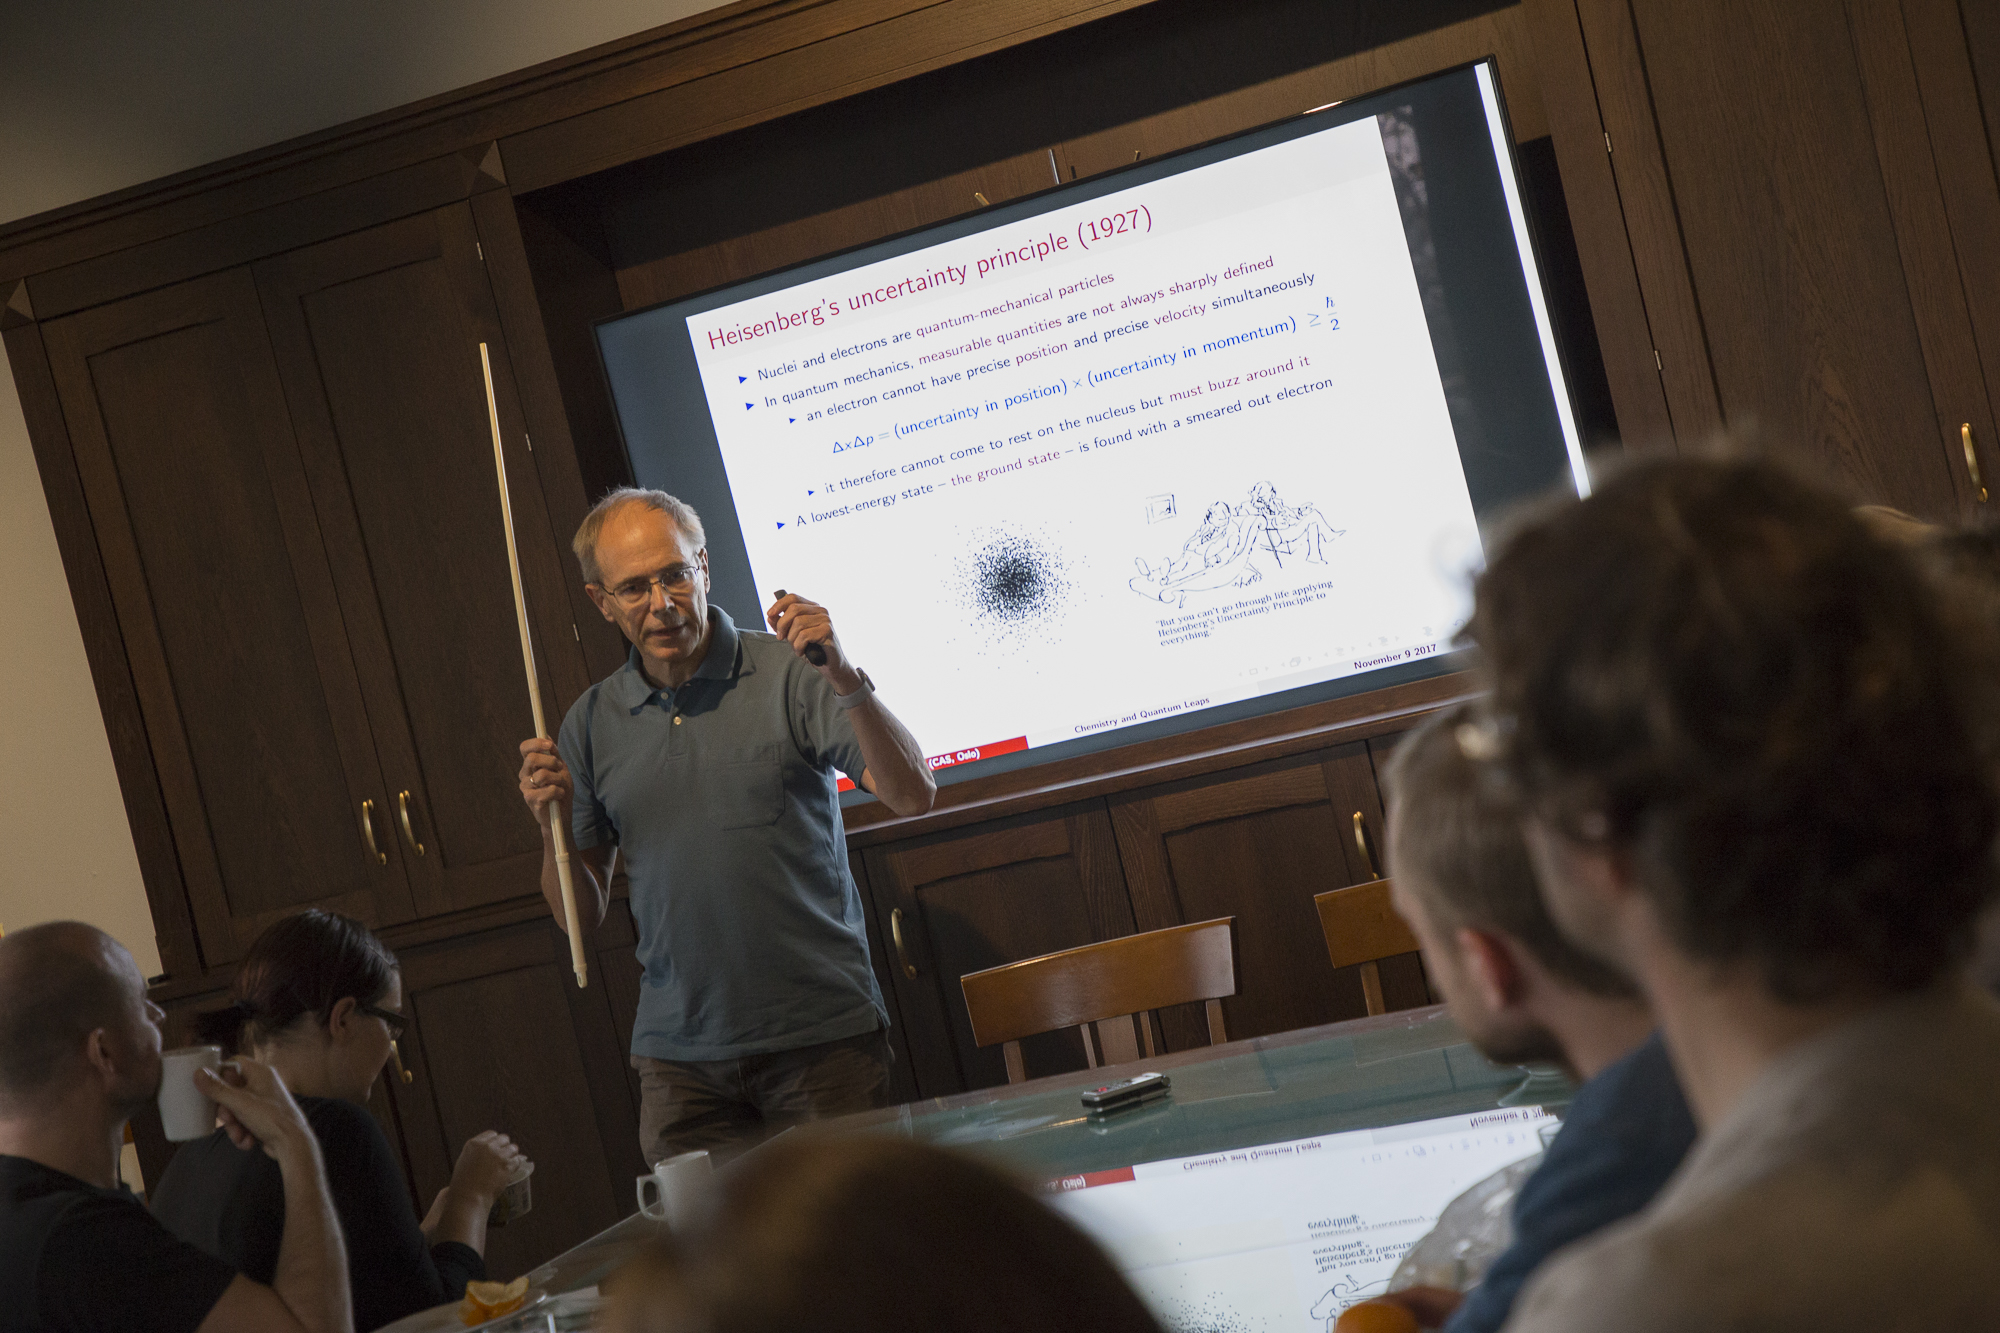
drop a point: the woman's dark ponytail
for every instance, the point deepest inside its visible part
(304, 964)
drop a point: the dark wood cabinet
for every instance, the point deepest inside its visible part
(1258, 846)
(959, 902)
(290, 473)
(218, 571)
(1810, 208)
(376, 338)
(501, 1038)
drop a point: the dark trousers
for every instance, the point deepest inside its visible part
(729, 1106)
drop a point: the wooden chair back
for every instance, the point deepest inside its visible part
(1361, 927)
(1112, 987)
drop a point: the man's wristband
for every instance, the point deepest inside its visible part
(860, 696)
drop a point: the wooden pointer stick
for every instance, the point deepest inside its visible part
(557, 833)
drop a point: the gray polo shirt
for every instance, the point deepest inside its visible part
(720, 797)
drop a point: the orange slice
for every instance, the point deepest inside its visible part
(490, 1300)
(1375, 1317)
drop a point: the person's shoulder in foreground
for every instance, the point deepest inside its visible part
(1757, 755)
(1626, 1133)
(1862, 1160)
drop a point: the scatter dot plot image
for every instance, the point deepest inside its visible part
(1214, 1313)
(1012, 581)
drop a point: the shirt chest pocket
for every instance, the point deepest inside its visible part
(746, 788)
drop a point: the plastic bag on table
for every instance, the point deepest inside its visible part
(1470, 1233)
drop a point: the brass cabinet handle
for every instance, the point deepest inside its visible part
(396, 1054)
(896, 934)
(368, 830)
(1972, 460)
(403, 810)
(1366, 844)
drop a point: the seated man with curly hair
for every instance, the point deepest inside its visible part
(1754, 757)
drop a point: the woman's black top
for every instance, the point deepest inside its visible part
(231, 1203)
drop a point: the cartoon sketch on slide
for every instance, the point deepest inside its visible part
(1233, 541)
(1347, 1291)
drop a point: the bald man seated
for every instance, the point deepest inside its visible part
(79, 1056)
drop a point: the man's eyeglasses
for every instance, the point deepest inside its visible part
(395, 1021)
(635, 593)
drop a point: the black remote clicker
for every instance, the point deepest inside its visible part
(814, 653)
(1126, 1092)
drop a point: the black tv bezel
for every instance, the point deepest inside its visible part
(1110, 182)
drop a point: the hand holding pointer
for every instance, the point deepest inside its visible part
(786, 604)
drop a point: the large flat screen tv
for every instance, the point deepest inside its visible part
(1209, 436)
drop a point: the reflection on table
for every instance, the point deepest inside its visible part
(1364, 1074)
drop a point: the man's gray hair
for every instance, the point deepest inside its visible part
(585, 543)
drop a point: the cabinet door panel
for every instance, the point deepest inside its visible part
(377, 338)
(1258, 847)
(1791, 240)
(997, 895)
(500, 1038)
(220, 580)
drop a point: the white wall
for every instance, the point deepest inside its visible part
(97, 95)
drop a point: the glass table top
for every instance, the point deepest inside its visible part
(1365, 1074)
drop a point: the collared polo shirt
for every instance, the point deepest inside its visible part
(720, 797)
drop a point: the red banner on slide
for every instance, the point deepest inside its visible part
(1065, 1184)
(966, 756)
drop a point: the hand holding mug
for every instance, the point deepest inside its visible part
(485, 1166)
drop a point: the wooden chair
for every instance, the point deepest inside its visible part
(1361, 927)
(1110, 986)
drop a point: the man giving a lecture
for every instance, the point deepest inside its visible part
(708, 761)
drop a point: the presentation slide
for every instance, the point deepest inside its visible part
(1158, 451)
(1282, 1238)
(1204, 437)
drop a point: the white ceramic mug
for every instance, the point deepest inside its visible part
(186, 1112)
(683, 1182)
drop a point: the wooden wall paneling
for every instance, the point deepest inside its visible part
(1764, 125)
(1603, 246)
(1969, 179)
(1502, 34)
(1979, 28)
(382, 1105)
(575, 285)
(913, 978)
(495, 1042)
(377, 338)
(1013, 890)
(615, 967)
(1646, 198)
(1257, 847)
(1149, 882)
(761, 251)
(1404, 983)
(213, 553)
(606, 1048)
(104, 648)
(532, 364)
(1923, 235)
(1214, 750)
(902, 1076)
(729, 37)
(906, 38)
(252, 235)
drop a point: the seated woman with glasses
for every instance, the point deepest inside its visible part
(320, 1000)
